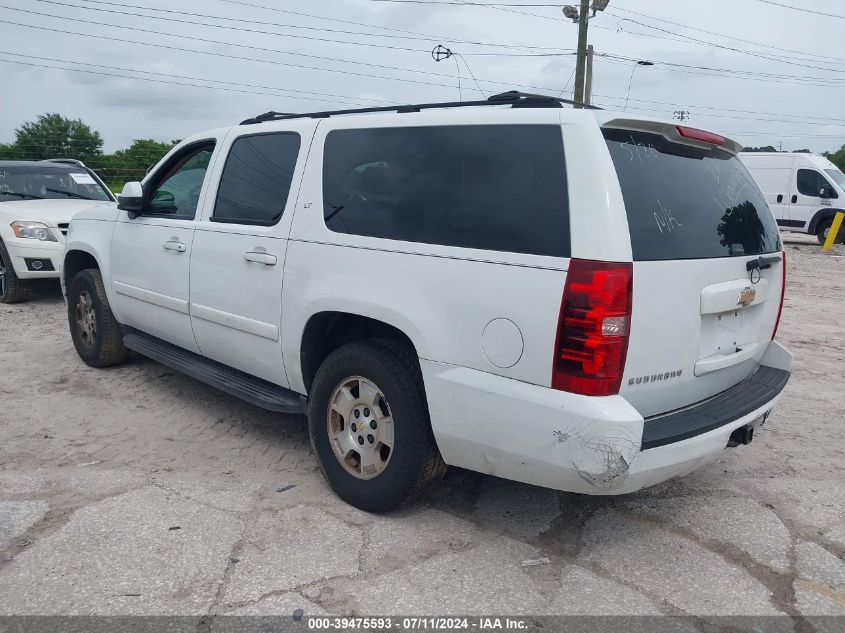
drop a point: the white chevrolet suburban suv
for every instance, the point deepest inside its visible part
(565, 297)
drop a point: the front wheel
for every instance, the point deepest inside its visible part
(93, 328)
(13, 289)
(369, 425)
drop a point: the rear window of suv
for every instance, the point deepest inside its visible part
(688, 203)
(492, 187)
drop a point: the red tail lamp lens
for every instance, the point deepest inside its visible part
(782, 292)
(593, 328)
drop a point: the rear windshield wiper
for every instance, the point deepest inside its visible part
(72, 194)
(21, 195)
(761, 262)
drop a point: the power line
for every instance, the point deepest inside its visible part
(472, 4)
(748, 74)
(217, 26)
(781, 60)
(803, 9)
(218, 81)
(798, 79)
(317, 98)
(723, 35)
(408, 34)
(261, 59)
(163, 81)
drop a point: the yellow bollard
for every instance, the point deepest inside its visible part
(834, 231)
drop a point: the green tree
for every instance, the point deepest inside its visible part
(767, 148)
(55, 136)
(9, 151)
(131, 163)
(837, 157)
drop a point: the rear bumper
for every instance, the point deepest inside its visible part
(24, 251)
(589, 445)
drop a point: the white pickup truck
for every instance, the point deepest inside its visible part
(562, 296)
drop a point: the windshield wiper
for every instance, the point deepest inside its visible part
(72, 194)
(21, 195)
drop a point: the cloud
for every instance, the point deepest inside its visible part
(122, 108)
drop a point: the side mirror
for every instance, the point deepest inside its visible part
(131, 199)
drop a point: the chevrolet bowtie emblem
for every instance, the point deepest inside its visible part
(746, 297)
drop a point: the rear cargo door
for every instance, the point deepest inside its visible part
(701, 320)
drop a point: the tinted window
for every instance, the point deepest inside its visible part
(688, 203)
(45, 180)
(177, 192)
(494, 187)
(811, 182)
(256, 180)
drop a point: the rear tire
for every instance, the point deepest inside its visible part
(367, 398)
(95, 332)
(13, 289)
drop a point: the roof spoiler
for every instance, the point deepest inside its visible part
(681, 134)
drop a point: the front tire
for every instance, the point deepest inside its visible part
(93, 328)
(13, 289)
(824, 229)
(369, 425)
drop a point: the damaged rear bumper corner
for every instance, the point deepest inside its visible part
(536, 435)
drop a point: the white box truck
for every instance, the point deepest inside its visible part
(803, 190)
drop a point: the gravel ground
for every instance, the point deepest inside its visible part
(135, 490)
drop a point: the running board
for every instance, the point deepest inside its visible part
(236, 383)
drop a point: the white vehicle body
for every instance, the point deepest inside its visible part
(803, 190)
(483, 323)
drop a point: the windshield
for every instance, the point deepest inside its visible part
(48, 180)
(838, 177)
(688, 203)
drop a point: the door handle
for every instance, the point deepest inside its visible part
(260, 258)
(780, 197)
(173, 244)
(794, 199)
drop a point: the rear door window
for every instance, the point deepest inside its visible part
(684, 202)
(256, 179)
(492, 187)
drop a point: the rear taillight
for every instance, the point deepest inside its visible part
(782, 292)
(593, 328)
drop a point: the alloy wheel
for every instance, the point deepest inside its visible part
(360, 427)
(86, 318)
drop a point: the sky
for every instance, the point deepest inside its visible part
(760, 73)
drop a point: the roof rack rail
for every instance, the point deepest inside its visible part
(66, 161)
(515, 98)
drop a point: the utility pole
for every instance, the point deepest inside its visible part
(588, 84)
(582, 74)
(681, 115)
(583, 17)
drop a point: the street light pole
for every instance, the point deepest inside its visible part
(580, 64)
